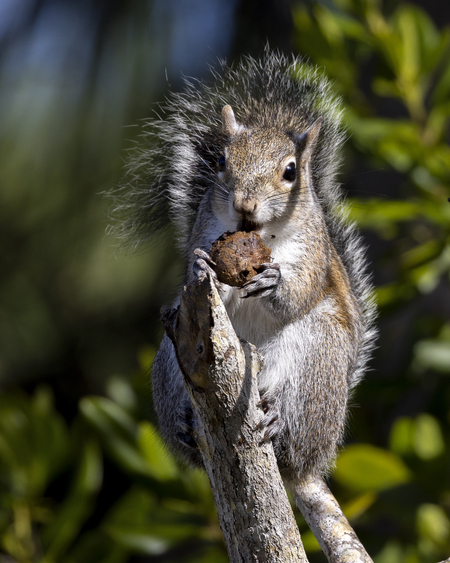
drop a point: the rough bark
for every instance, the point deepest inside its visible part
(328, 523)
(221, 377)
(220, 373)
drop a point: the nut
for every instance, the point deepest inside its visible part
(238, 257)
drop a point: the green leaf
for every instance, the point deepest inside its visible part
(434, 354)
(68, 520)
(432, 43)
(396, 141)
(441, 91)
(118, 431)
(401, 436)
(161, 464)
(146, 357)
(136, 447)
(428, 440)
(433, 524)
(438, 118)
(357, 506)
(405, 28)
(337, 26)
(392, 293)
(382, 215)
(120, 391)
(421, 253)
(393, 552)
(367, 468)
(142, 524)
(384, 87)
(34, 442)
(136, 542)
(422, 436)
(108, 417)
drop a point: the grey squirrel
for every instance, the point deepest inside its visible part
(258, 148)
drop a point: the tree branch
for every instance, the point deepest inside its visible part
(328, 523)
(221, 377)
(220, 373)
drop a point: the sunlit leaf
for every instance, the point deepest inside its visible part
(428, 440)
(437, 120)
(433, 354)
(381, 215)
(363, 468)
(405, 27)
(139, 542)
(392, 552)
(160, 461)
(384, 87)
(146, 356)
(433, 523)
(120, 391)
(118, 430)
(392, 293)
(108, 416)
(401, 436)
(359, 505)
(421, 253)
(442, 89)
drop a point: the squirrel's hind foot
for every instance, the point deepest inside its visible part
(186, 424)
(271, 421)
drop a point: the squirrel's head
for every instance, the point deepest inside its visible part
(263, 175)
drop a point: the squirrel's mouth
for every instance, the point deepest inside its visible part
(248, 226)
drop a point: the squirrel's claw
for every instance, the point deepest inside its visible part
(271, 421)
(186, 425)
(264, 283)
(203, 266)
(186, 440)
(204, 256)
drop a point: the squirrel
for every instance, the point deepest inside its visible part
(258, 148)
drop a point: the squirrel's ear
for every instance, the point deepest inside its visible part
(229, 121)
(307, 141)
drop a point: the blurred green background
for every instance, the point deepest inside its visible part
(84, 477)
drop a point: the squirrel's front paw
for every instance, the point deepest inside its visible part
(264, 283)
(271, 421)
(203, 266)
(186, 425)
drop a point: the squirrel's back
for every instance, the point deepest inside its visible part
(168, 177)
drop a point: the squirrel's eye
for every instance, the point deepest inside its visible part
(289, 173)
(222, 163)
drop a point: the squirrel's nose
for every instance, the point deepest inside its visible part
(245, 205)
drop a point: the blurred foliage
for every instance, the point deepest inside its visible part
(99, 485)
(165, 509)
